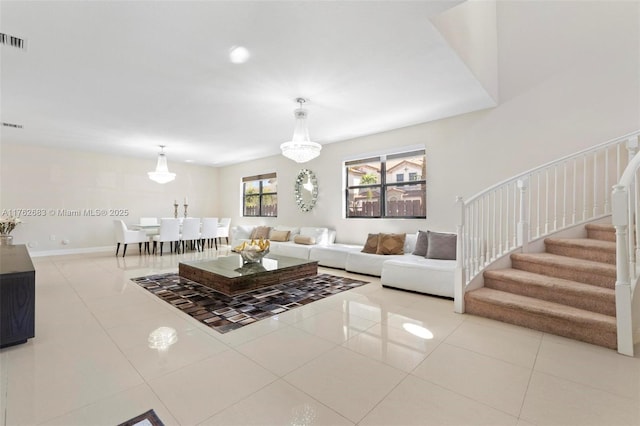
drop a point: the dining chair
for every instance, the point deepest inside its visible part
(190, 232)
(127, 236)
(169, 232)
(223, 229)
(209, 231)
(149, 221)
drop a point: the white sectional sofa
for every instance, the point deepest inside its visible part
(402, 271)
(320, 236)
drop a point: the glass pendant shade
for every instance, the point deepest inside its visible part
(162, 174)
(300, 149)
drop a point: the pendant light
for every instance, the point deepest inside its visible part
(300, 149)
(161, 174)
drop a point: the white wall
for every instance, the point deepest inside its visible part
(35, 177)
(568, 79)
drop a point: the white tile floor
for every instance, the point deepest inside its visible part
(344, 360)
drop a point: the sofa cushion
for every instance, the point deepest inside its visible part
(280, 236)
(304, 239)
(441, 245)
(391, 244)
(260, 232)
(320, 235)
(422, 244)
(371, 245)
(293, 231)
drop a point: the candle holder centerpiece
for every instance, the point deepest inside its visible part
(254, 251)
(175, 209)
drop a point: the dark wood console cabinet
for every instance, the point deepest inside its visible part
(17, 295)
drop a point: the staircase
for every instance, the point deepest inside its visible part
(568, 290)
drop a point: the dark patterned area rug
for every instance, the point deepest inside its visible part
(225, 313)
(145, 419)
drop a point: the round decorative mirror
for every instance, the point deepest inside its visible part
(306, 190)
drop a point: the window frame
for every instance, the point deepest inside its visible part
(260, 194)
(383, 186)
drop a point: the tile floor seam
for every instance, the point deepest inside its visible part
(532, 370)
(383, 399)
(633, 398)
(463, 396)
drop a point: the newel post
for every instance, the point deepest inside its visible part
(460, 274)
(620, 220)
(523, 219)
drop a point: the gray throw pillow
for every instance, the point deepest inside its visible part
(421, 244)
(441, 245)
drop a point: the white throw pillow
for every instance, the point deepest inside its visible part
(320, 235)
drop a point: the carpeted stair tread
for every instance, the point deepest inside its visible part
(543, 315)
(585, 271)
(583, 248)
(558, 290)
(601, 231)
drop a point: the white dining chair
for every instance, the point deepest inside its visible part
(149, 221)
(127, 236)
(209, 231)
(223, 229)
(169, 232)
(190, 232)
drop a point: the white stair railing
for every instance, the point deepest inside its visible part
(625, 217)
(509, 215)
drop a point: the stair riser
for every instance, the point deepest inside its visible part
(580, 300)
(583, 276)
(601, 235)
(581, 253)
(547, 324)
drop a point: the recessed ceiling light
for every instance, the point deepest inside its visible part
(188, 161)
(239, 54)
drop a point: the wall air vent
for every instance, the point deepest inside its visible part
(12, 41)
(12, 125)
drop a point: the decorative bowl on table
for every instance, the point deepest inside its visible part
(254, 251)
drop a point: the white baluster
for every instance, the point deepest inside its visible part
(575, 191)
(460, 280)
(595, 184)
(564, 196)
(584, 188)
(606, 181)
(523, 222)
(546, 202)
(555, 198)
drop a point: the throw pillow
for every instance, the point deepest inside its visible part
(391, 244)
(279, 235)
(371, 245)
(421, 244)
(441, 245)
(304, 239)
(260, 232)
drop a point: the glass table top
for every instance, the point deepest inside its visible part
(232, 266)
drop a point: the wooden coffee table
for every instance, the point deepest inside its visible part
(230, 276)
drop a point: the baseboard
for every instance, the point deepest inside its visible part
(63, 252)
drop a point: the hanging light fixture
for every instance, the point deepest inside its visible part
(162, 174)
(300, 149)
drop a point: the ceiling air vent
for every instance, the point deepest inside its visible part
(12, 125)
(12, 41)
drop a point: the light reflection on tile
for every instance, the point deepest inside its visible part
(345, 360)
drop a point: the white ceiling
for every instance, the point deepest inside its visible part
(123, 77)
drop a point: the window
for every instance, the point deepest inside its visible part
(376, 186)
(260, 195)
